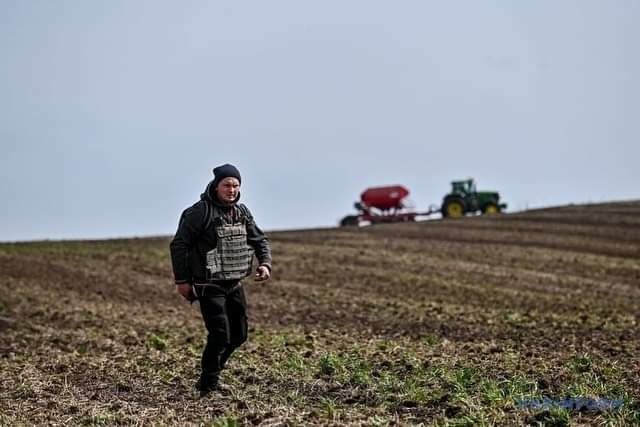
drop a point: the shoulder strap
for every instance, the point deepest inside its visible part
(247, 218)
(243, 210)
(208, 215)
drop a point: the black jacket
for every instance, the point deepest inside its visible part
(191, 243)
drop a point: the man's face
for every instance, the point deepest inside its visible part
(228, 189)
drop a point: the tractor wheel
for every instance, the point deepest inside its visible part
(453, 208)
(350, 221)
(490, 209)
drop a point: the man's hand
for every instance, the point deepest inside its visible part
(262, 274)
(185, 290)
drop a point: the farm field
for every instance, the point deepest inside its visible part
(441, 322)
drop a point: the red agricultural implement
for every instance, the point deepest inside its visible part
(384, 204)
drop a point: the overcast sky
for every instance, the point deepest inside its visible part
(113, 113)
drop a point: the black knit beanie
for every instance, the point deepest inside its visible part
(225, 171)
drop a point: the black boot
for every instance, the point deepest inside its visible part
(208, 383)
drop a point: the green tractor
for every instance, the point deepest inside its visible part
(465, 199)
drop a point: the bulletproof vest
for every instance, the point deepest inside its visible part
(232, 258)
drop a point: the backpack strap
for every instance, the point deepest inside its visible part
(208, 216)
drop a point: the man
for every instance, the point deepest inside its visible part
(211, 253)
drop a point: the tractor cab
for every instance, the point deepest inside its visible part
(463, 188)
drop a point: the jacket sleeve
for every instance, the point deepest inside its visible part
(258, 241)
(189, 229)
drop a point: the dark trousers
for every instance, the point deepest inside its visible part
(224, 310)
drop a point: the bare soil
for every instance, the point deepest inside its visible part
(447, 322)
